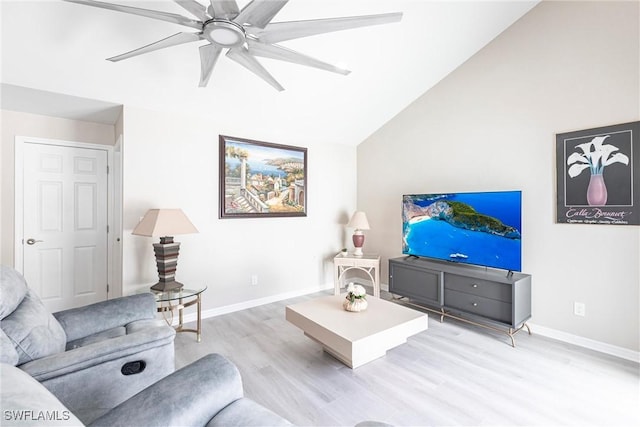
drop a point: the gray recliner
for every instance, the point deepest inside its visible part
(91, 358)
(207, 392)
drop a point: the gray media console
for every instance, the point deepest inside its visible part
(490, 298)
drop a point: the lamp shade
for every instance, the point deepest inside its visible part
(164, 222)
(359, 221)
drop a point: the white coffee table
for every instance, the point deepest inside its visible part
(356, 338)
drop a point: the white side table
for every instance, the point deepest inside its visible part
(370, 264)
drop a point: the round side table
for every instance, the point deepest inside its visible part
(179, 299)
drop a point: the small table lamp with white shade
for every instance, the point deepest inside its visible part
(165, 223)
(359, 222)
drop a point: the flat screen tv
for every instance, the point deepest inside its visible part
(482, 228)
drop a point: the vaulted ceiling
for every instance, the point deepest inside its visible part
(57, 48)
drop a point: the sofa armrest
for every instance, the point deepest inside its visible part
(212, 383)
(93, 318)
(97, 353)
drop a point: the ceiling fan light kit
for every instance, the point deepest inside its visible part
(246, 33)
(224, 33)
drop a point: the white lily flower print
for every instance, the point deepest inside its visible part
(595, 159)
(595, 156)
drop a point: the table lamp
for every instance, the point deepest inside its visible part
(359, 222)
(165, 223)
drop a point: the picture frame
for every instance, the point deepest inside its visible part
(261, 179)
(597, 175)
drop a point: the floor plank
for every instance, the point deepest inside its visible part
(451, 374)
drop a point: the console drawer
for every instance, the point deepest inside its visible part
(485, 307)
(478, 287)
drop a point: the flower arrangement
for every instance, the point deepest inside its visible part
(355, 292)
(356, 299)
(595, 156)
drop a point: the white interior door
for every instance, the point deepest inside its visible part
(65, 219)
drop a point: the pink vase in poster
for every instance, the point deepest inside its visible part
(597, 191)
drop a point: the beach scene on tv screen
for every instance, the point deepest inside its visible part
(473, 228)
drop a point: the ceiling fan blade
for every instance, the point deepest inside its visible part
(280, 31)
(209, 54)
(154, 14)
(259, 13)
(173, 40)
(227, 9)
(244, 58)
(284, 54)
(194, 8)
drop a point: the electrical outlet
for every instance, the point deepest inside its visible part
(579, 309)
(254, 279)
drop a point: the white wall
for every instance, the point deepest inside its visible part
(34, 125)
(171, 161)
(491, 125)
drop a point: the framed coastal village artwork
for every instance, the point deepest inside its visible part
(261, 179)
(598, 181)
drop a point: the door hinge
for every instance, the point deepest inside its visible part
(107, 169)
(107, 288)
(107, 229)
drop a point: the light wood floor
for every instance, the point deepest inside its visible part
(451, 374)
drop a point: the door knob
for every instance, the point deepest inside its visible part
(33, 241)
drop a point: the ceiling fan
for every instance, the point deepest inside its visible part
(246, 34)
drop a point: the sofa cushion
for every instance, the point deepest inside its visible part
(13, 289)
(34, 331)
(8, 353)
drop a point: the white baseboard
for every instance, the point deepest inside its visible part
(613, 350)
(605, 348)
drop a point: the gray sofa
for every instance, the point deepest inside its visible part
(91, 358)
(207, 392)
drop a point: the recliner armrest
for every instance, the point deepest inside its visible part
(247, 413)
(94, 354)
(212, 383)
(23, 400)
(93, 318)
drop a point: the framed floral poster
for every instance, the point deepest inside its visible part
(598, 181)
(261, 179)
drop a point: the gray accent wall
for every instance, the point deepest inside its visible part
(491, 125)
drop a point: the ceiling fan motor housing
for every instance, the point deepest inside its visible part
(223, 32)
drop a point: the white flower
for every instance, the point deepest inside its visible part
(595, 159)
(357, 291)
